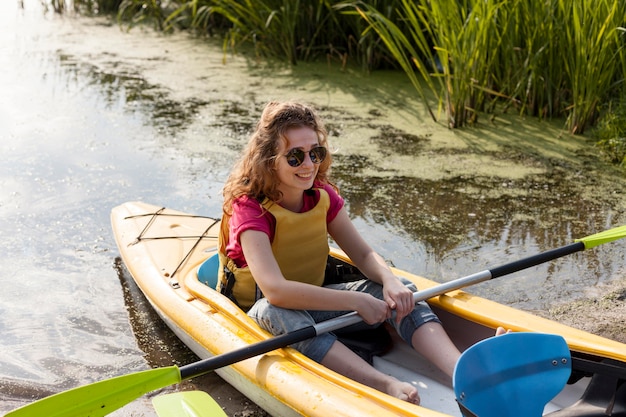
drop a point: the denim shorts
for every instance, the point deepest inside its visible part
(277, 320)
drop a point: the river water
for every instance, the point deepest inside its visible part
(92, 116)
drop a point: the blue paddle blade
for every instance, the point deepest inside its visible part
(187, 404)
(513, 375)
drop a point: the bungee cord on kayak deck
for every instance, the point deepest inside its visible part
(199, 238)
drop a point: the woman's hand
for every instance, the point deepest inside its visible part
(398, 297)
(371, 309)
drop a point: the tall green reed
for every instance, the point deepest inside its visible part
(448, 45)
(593, 55)
(465, 37)
(544, 57)
(134, 12)
(526, 71)
(405, 44)
(287, 29)
(364, 45)
(270, 24)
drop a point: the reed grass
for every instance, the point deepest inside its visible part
(610, 132)
(450, 44)
(543, 58)
(270, 25)
(143, 11)
(527, 72)
(87, 7)
(287, 29)
(592, 58)
(547, 58)
(404, 46)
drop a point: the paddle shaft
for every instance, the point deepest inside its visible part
(499, 271)
(207, 365)
(296, 336)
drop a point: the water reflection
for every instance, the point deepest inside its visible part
(468, 224)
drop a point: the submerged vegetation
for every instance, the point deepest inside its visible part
(541, 58)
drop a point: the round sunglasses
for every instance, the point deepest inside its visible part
(295, 157)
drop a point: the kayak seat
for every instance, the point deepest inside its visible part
(605, 396)
(207, 273)
(512, 375)
(336, 271)
(366, 343)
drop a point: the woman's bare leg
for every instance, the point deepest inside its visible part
(342, 360)
(431, 341)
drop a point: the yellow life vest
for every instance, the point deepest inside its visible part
(300, 247)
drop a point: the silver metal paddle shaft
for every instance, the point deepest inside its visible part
(451, 286)
(353, 317)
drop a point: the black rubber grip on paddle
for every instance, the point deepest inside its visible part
(207, 365)
(536, 259)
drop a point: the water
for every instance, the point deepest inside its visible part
(73, 146)
(91, 116)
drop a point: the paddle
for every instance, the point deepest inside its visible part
(580, 244)
(101, 398)
(513, 375)
(187, 404)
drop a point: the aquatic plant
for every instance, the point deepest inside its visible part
(610, 132)
(449, 43)
(546, 57)
(592, 55)
(143, 11)
(89, 7)
(286, 29)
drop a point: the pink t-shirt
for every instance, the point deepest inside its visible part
(248, 214)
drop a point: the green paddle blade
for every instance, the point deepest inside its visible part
(187, 404)
(603, 237)
(100, 398)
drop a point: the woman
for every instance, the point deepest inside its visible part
(279, 209)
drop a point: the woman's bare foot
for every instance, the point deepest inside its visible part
(501, 330)
(403, 391)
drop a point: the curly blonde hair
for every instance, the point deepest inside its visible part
(254, 174)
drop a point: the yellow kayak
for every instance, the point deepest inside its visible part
(168, 254)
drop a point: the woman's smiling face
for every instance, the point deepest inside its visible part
(294, 180)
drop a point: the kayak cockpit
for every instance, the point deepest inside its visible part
(589, 393)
